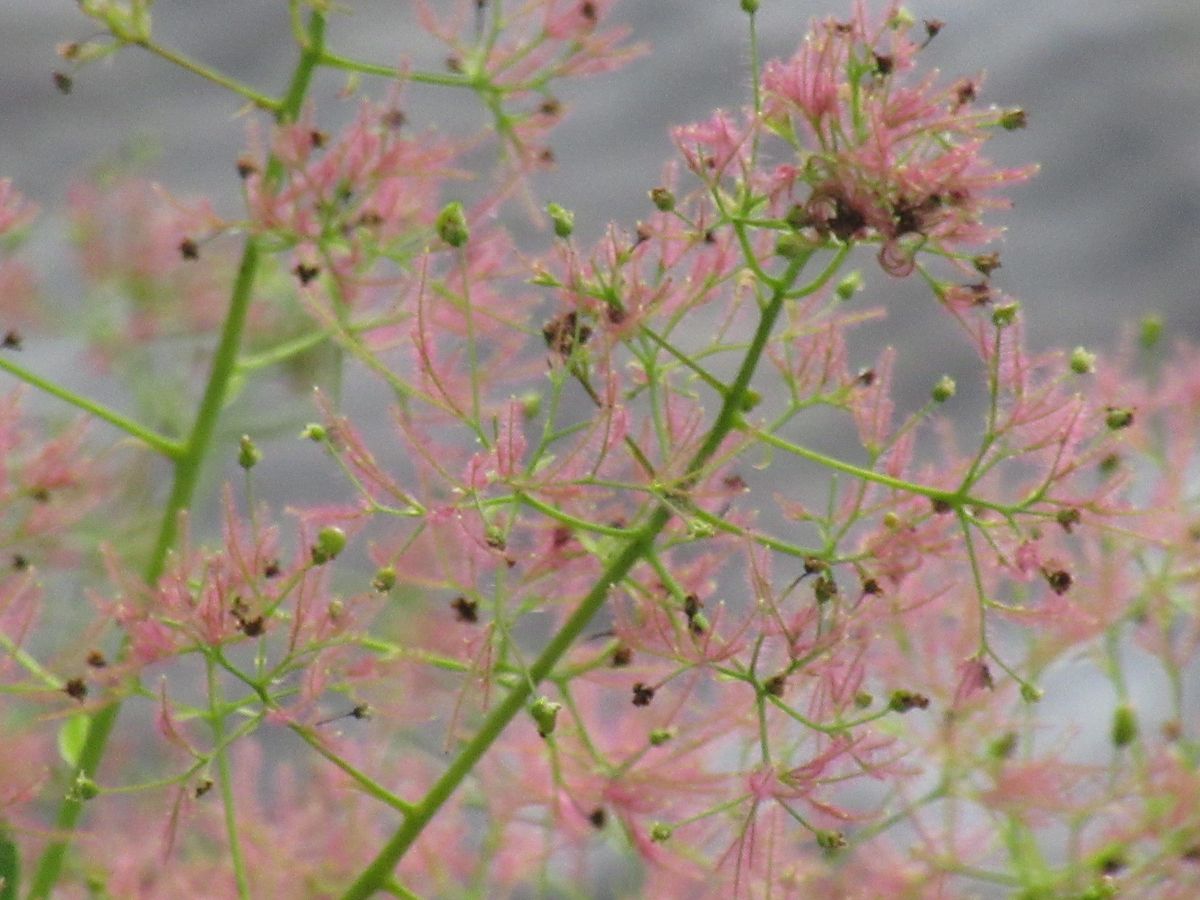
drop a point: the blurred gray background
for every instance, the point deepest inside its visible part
(1108, 231)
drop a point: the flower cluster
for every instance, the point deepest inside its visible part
(646, 578)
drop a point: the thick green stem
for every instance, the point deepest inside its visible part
(378, 873)
(187, 469)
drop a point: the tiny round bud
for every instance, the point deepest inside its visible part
(850, 285)
(451, 225)
(1004, 746)
(1014, 119)
(792, 246)
(1151, 330)
(331, 541)
(84, 788)
(830, 840)
(663, 200)
(1124, 726)
(1030, 693)
(563, 219)
(862, 700)
(1082, 361)
(750, 399)
(248, 454)
(1117, 418)
(63, 82)
(660, 736)
(1005, 314)
(750, 7)
(660, 832)
(314, 432)
(544, 712)
(384, 580)
(891, 520)
(944, 389)
(531, 404)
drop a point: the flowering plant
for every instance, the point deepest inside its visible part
(588, 603)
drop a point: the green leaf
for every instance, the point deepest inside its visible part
(71, 738)
(10, 868)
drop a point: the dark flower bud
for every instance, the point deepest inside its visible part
(63, 82)
(465, 610)
(642, 694)
(1068, 518)
(189, 249)
(902, 701)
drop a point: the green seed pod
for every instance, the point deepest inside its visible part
(564, 220)
(944, 389)
(1082, 361)
(384, 580)
(545, 714)
(451, 225)
(314, 432)
(248, 454)
(331, 541)
(1124, 726)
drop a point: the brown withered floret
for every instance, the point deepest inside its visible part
(465, 610)
(564, 333)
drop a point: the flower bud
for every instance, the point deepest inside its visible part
(1124, 726)
(660, 832)
(1005, 314)
(1117, 418)
(1030, 693)
(384, 580)
(830, 840)
(944, 389)
(1151, 330)
(563, 219)
(660, 736)
(750, 6)
(1014, 119)
(84, 788)
(314, 432)
(1082, 361)
(331, 541)
(902, 701)
(849, 286)
(663, 200)
(451, 225)
(248, 454)
(793, 246)
(545, 714)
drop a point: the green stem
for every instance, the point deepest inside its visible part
(231, 84)
(378, 872)
(442, 79)
(187, 470)
(164, 445)
(217, 724)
